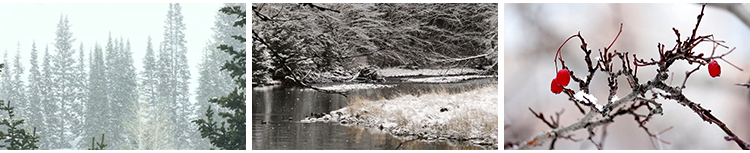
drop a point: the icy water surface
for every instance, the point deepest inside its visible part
(273, 106)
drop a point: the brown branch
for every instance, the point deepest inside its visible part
(695, 30)
(552, 124)
(563, 44)
(683, 50)
(613, 41)
(687, 75)
(705, 114)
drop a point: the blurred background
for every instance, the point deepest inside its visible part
(533, 32)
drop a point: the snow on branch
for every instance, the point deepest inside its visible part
(643, 95)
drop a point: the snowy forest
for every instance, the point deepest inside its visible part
(335, 42)
(391, 76)
(90, 96)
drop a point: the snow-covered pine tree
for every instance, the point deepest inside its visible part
(64, 78)
(214, 82)
(80, 96)
(182, 72)
(96, 106)
(163, 134)
(51, 119)
(110, 72)
(34, 94)
(114, 93)
(231, 136)
(12, 92)
(147, 92)
(17, 94)
(148, 78)
(148, 105)
(116, 101)
(5, 76)
(122, 92)
(165, 93)
(175, 88)
(128, 97)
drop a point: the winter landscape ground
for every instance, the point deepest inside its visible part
(468, 116)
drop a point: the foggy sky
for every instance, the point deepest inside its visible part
(92, 22)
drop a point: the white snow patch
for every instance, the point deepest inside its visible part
(580, 95)
(614, 98)
(600, 108)
(469, 115)
(357, 86)
(398, 72)
(446, 79)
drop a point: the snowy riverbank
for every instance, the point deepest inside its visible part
(445, 79)
(398, 72)
(355, 86)
(464, 117)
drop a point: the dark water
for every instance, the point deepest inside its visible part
(274, 105)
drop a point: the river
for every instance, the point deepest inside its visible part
(273, 106)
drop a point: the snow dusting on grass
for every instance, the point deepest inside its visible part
(468, 116)
(447, 79)
(348, 87)
(397, 72)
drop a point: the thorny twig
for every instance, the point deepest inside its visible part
(683, 50)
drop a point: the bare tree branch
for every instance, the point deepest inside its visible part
(683, 50)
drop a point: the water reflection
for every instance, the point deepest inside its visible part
(272, 107)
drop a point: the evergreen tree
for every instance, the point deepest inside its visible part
(174, 77)
(15, 137)
(128, 86)
(51, 118)
(231, 136)
(18, 90)
(64, 77)
(114, 92)
(34, 94)
(148, 76)
(163, 110)
(152, 121)
(6, 76)
(108, 113)
(121, 93)
(96, 106)
(80, 96)
(214, 82)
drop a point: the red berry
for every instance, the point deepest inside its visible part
(563, 77)
(714, 69)
(556, 88)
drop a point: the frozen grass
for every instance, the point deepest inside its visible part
(446, 79)
(398, 72)
(467, 116)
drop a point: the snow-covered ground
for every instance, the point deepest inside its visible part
(445, 79)
(468, 116)
(355, 86)
(398, 72)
